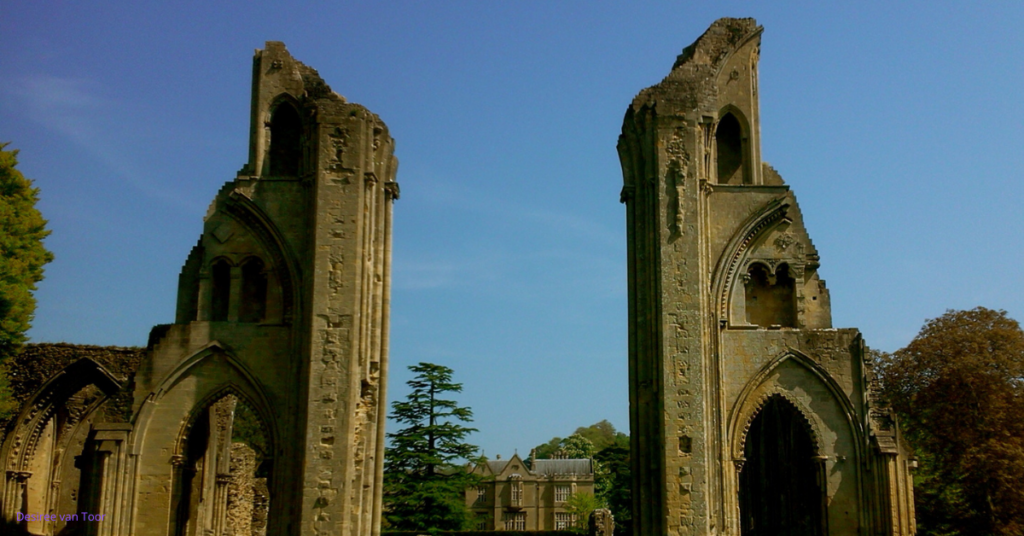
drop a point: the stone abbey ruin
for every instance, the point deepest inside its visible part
(260, 410)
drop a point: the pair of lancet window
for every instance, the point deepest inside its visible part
(770, 298)
(252, 298)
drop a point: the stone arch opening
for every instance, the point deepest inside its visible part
(780, 484)
(729, 148)
(220, 279)
(253, 302)
(285, 134)
(770, 297)
(222, 471)
(42, 451)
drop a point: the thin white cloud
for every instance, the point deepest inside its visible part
(73, 108)
(445, 273)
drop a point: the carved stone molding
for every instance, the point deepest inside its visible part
(729, 266)
(627, 194)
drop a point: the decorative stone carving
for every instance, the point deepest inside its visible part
(784, 240)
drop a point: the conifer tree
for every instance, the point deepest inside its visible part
(424, 479)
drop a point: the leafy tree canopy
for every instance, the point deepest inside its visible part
(614, 485)
(600, 435)
(958, 390)
(22, 256)
(424, 480)
(612, 474)
(580, 505)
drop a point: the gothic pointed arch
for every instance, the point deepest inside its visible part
(54, 393)
(282, 260)
(49, 413)
(732, 147)
(762, 387)
(246, 384)
(285, 151)
(225, 446)
(228, 389)
(782, 481)
(736, 251)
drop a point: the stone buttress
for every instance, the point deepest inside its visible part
(742, 395)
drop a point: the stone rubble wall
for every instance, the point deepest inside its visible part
(241, 491)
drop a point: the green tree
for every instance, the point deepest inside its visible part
(614, 484)
(603, 435)
(609, 449)
(576, 447)
(958, 390)
(424, 483)
(22, 256)
(580, 505)
(548, 450)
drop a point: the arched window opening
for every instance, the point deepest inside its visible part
(770, 297)
(780, 483)
(220, 275)
(191, 305)
(253, 306)
(224, 470)
(285, 131)
(46, 472)
(729, 146)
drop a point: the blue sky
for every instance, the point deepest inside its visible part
(898, 125)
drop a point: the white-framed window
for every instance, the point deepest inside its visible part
(515, 520)
(562, 493)
(482, 521)
(481, 494)
(563, 520)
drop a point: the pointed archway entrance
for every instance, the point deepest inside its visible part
(780, 483)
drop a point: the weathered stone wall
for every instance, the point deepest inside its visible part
(727, 311)
(38, 362)
(66, 391)
(313, 207)
(260, 507)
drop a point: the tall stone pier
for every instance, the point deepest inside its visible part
(749, 413)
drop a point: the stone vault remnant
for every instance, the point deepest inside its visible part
(749, 413)
(260, 408)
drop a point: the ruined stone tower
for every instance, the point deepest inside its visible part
(284, 304)
(260, 409)
(749, 413)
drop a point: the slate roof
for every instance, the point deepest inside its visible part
(497, 466)
(549, 467)
(562, 467)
